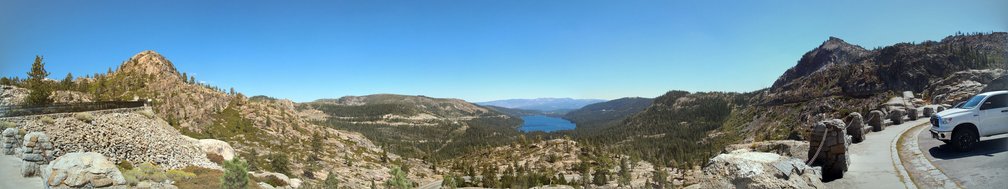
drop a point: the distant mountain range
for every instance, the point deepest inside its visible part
(543, 104)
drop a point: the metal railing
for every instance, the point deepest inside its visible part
(25, 110)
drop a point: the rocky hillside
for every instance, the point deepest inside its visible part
(417, 126)
(262, 130)
(831, 80)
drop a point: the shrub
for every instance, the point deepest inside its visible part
(235, 174)
(145, 171)
(84, 116)
(331, 181)
(5, 124)
(204, 178)
(275, 181)
(279, 163)
(177, 175)
(398, 180)
(125, 165)
(218, 159)
(147, 113)
(47, 120)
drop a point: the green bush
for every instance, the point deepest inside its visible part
(177, 175)
(84, 116)
(279, 163)
(5, 124)
(398, 180)
(144, 172)
(47, 120)
(147, 113)
(235, 174)
(331, 181)
(125, 165)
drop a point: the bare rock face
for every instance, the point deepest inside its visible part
(84, 170)
(11, 95)
(217, 147)
(747, 169)
(856, 127)
(963, 84)
(875, 118)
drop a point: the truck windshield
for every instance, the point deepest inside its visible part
(973, 102)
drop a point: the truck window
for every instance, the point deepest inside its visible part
(972, 102)
(997, 101)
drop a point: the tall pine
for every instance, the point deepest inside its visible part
(40, 88)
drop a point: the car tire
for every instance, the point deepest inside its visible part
(964, 140)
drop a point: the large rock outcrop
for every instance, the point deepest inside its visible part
(11, 95)
(963, 84)
(747, 169)
(221, 148)
(84, 170)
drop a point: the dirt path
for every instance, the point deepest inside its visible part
(10, 174)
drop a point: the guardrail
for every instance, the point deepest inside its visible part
(25, 110)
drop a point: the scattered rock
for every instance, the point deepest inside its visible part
(84, 170)
(11, 95)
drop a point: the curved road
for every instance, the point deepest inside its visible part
(986, 166)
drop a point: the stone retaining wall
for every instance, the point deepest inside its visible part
(833, 156)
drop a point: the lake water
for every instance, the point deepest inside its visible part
(545, 123)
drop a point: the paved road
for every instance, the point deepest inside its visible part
(983, 167)
(872, 164)
(10, 174)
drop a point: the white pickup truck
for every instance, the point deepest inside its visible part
(985, 114)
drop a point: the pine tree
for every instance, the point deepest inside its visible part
(67, 82)
(235, 174)
(398, 180)
(40, 89)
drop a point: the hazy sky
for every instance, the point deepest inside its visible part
(476, 50)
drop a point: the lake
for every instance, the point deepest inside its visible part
(545, 123)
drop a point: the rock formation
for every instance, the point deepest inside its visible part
(747, 169)
(84, 170)
(212, 146)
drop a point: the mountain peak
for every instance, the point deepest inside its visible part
(151, 63)
(834, 43)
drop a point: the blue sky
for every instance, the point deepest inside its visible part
(476, 50)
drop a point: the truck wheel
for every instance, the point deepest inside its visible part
(964, 140)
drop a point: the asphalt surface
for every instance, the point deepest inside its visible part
(873, 162)
(986, 166)
(10, 174)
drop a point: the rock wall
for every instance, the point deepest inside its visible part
(833, 156)
(875, 120)
(856, 126)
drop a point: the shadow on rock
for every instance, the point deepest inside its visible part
(983, 148)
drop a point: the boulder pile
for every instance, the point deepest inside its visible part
(10, 141)
(833, 156)
(875, 120)
(747, 169)
(124, 136)
(37, 151)
(856, 127)
(84, 170)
